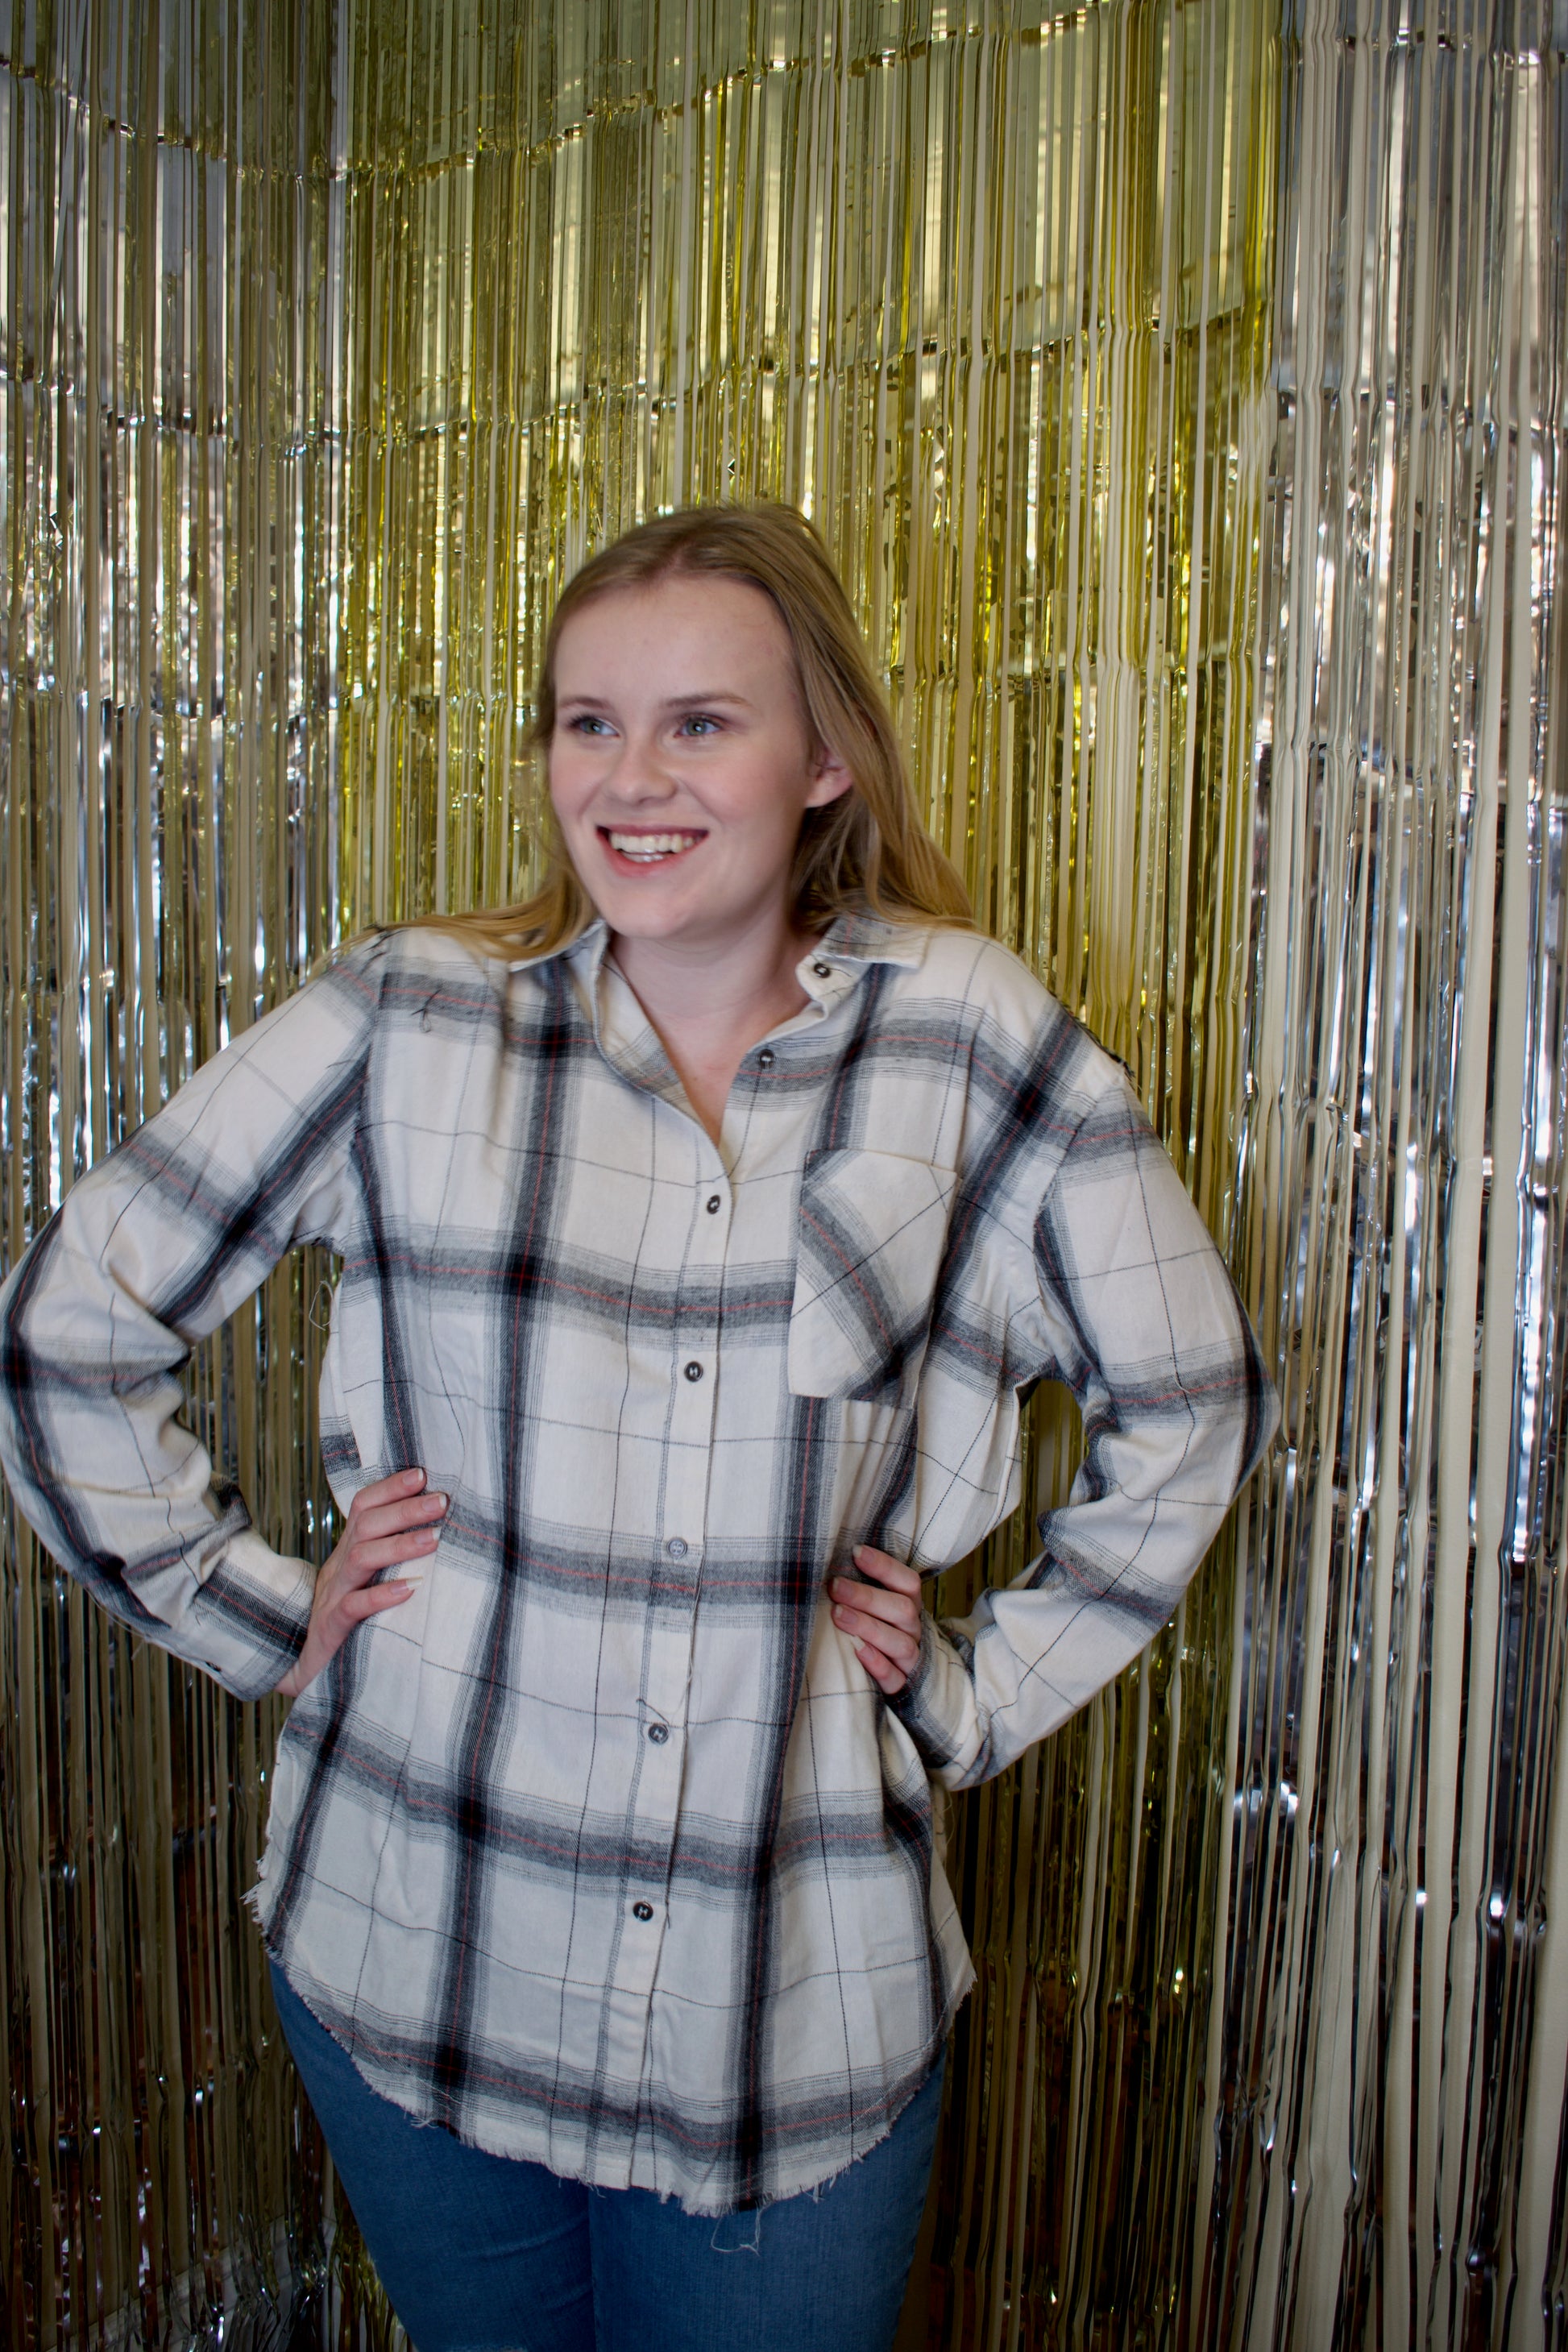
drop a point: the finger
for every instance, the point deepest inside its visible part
(886, 1570)
(361, 1561)
(371, 1598)
(901, 1648)
(900, 1609)
(390, 1519)
(888, 1679)
(400, 1483)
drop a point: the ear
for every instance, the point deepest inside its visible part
(830, 779)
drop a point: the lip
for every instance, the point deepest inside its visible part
(620, 863)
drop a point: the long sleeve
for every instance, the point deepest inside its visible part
(1142, 1323)
(149, 1252)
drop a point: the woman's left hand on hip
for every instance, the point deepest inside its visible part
(881, 1617)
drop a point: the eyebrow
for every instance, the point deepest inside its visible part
(669, 702)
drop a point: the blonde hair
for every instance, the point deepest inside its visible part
(866, 852)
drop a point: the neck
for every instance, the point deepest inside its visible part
(711, 1001)
(706, 982)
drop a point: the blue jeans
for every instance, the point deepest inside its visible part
(486, 2253)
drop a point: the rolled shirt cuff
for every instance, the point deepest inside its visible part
(937, 1706)
(250, 1615)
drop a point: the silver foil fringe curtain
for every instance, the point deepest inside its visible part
(1393, 2020)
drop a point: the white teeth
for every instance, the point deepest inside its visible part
(647, 846)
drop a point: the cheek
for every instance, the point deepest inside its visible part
(567, 787)
(770, 808)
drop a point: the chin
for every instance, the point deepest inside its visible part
(635, 913)
(655, 922)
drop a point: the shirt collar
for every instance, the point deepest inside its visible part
(850, 939)
(828, 973)
(867, 938)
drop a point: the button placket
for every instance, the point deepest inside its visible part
(696, 1239)
(709, 1240)
(668, 1665)
(693, 1405)
(657, 1806)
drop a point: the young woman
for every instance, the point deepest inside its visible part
(701, 1223)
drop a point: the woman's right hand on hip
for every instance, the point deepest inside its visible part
(388, 1522)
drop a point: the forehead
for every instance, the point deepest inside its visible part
(709, 618)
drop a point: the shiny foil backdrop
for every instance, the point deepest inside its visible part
(1180, 384)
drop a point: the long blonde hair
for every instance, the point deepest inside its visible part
(867, 852)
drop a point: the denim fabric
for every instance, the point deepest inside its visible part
(490, 2253)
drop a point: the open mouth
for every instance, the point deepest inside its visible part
(647, 848)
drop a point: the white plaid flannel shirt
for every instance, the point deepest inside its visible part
(603, 1849)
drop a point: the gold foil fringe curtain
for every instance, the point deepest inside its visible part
(1180, 387)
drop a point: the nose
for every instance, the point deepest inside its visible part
(638, 777)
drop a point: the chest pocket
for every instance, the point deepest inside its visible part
(870, 1234)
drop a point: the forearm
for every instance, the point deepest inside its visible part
(1028, 1656)
(121, 1492)
(149, 1252)
(1145, 1326)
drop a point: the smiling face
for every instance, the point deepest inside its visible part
(681, 761)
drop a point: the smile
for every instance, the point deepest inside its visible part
(649, 848)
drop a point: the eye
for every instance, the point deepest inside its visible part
(588, 722)
(700, 722)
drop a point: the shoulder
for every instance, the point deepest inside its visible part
(987, 994)
(968, 971)
(414, 970)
